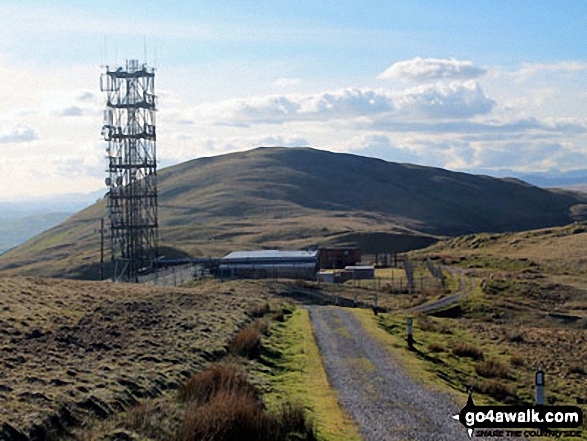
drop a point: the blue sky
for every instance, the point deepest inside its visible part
(468, 85)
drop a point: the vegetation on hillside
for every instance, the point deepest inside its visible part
(298, 198)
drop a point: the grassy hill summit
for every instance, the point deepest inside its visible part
(303, 197)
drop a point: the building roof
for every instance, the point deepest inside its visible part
(271, 255)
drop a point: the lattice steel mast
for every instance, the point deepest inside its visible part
(129, 129)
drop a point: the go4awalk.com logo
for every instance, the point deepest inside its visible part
(507, 421)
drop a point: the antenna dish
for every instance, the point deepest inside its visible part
(108, 182)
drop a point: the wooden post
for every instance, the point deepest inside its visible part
(102, 249)
(375, 301)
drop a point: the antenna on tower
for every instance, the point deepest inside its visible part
(105, 59)
(129, 129)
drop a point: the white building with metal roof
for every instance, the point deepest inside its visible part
(262, 264)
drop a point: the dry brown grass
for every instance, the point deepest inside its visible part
(498, 390)
(98, 348)
(515, 335)
(516, 360)
(247, 342)
(236, 416)
(577, 368)
(216, 378)
(436, 347)
(468, 350)
(492, 369)
(156, 420)
(224, 406)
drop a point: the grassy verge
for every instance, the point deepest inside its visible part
(291, 369)
(452, 357)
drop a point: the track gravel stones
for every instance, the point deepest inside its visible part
(385, 401)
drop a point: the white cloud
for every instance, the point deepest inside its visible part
(72, 111)
(280, 141)
(482, 129)
(455, 100)
(381, 146)
(529, 69)
(432, 69)
(18, 134)
(329, 105)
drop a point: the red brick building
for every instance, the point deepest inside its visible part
(338, 258)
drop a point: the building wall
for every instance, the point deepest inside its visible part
(338, 258)
(306, 271)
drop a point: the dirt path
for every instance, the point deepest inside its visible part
(385, 401)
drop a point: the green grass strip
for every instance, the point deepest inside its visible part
(292, 366)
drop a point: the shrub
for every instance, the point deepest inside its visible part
(216, 378)
(467, 350)
(492, 368)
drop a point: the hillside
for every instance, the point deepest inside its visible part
(77, 351)
(16, 230)
(282, 197)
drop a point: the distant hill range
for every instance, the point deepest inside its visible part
(301, 197)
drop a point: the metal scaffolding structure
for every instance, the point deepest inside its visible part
(129, 129)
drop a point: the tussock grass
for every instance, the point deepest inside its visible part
(235, 416)
(436, 347)
(492, 369)
(516, 360)
(155, 419)
(247, 342)
(216, 378)
(515, 335)
(224, 406)
(468, 350)
(261, 310)
(497, 389)
(577, 368)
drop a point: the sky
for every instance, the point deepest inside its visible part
(491, 87)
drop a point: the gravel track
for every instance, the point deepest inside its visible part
(385, 401)
(463, 291)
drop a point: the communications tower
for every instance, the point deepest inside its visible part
(129, 129)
